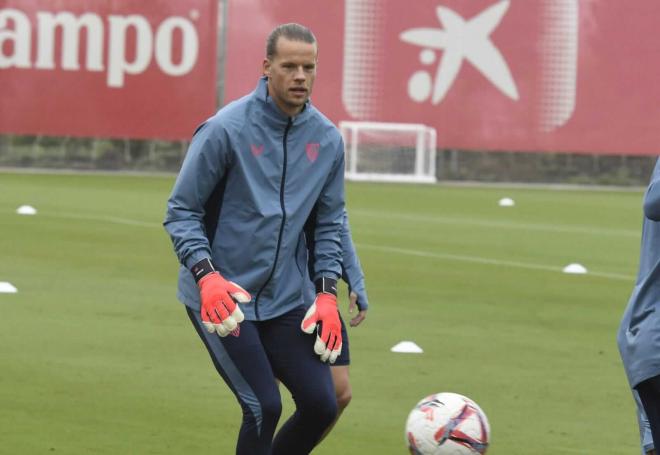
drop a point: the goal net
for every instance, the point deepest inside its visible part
(389, 152)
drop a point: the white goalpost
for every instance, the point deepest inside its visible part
(389, 152)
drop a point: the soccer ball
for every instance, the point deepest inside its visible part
(447, 424)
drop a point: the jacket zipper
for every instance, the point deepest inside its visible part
(279, 237)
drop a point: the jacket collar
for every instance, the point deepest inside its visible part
(273, 112)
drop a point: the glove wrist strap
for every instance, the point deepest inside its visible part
(201, 269)
(325, 285)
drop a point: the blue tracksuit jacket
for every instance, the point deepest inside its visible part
(251, 180)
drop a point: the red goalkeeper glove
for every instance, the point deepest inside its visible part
(218, 297)
(324, 317)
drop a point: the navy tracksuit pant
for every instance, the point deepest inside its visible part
(649, 395)
(249, 364)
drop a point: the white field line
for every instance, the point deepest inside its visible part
(403, 217)
(543, 186)
(573, 229)
(488, 261)
(445, 183)
(570, 450)
(389, 249)
(102, 218)
(94, 172)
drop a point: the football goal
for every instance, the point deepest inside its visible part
(389, 152)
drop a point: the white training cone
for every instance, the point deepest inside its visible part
(407, 347)
(575, 268)
(7, 288)
(26, 210)
(506, 202)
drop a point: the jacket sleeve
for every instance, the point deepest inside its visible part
(652, 197)
(351, 271)
(327, 232)
(203, 167)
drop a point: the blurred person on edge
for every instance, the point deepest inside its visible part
(639, 332)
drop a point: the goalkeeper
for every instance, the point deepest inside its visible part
(639, 332)
(254, 174)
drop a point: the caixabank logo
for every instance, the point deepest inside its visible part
(109, 68)
(515, 60)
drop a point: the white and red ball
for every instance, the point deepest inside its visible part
(447, 424)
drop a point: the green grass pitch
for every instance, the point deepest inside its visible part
(98, 357)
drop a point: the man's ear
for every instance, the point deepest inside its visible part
(266, 67)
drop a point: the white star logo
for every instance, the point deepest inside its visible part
(460, 40)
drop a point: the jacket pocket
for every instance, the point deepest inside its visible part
(302, 256)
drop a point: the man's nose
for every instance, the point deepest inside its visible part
(300, 74)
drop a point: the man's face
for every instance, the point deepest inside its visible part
(291, 73)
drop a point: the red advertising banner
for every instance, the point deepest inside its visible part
(125, 68)
(557, 75)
